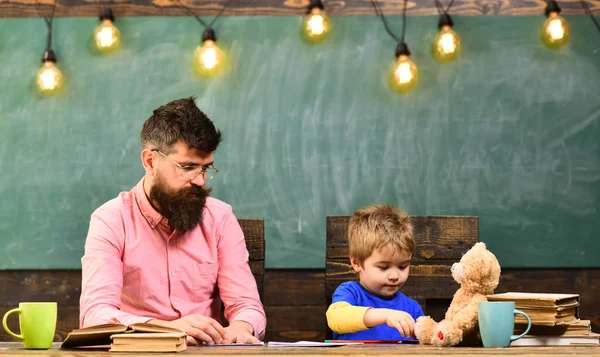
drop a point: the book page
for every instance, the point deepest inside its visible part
(233, 345)
(533, 296)
(146, 327)
(149, 336)
(311, 344)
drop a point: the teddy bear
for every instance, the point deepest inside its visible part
(478, 274)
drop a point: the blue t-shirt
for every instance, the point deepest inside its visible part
(354, 294)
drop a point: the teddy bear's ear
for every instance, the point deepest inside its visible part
(480, 245)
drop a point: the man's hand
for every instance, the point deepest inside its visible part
(402, 321)
(200, 329)
(240, 332)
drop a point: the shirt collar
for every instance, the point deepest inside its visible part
(152, 216)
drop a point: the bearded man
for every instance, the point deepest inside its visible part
(166, 252)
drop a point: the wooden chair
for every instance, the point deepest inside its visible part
(440, 241)
(254, 232)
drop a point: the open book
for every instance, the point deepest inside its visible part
(100, 335)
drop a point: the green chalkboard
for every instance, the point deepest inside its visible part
(509, 133)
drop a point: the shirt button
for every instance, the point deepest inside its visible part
(173, 274)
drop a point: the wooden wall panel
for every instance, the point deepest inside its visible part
(295, 305)
(72, 8)
(62, 286)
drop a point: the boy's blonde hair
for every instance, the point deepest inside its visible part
(376, 226)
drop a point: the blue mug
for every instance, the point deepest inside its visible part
(497, 323)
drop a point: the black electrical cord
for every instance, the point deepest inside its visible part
(206, 26)
(586, 9)
(48, 20)
(385, 24)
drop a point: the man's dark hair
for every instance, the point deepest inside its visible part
(178, 120)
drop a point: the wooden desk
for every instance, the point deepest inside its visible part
(16, 349)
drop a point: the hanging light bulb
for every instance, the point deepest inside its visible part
(49, 79)
(316, 25)
(404, 73)
(447, 43)
(208, 57)
(555, 31)
(107, 36)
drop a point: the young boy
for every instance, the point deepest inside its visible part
(381, 244)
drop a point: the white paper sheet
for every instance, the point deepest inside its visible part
(310, 344)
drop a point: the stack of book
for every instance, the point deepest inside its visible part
(148, 342)
(581, 327)
(554, 319)
(543, 309)
(140, 337)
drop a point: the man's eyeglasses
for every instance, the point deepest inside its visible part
(191, 172)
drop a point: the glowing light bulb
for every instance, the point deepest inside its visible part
(208, 57)
(446, 45)
(107, 36)
(404, 73)
(49, 79)
(316, 25)
(555, 30)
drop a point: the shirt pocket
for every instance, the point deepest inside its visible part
(205, 280)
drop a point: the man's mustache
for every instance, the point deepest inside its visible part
(197, 191)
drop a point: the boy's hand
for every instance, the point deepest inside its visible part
(402, 321)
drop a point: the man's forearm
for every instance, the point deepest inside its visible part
(243, 324)
(254, 318)
(99, 315)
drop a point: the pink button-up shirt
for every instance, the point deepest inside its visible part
(134, 269)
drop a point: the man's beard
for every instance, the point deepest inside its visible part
(183, 208)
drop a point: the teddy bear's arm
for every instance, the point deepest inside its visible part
(466, 318)
(450, 332)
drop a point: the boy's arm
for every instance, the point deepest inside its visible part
(344, 318)
(376, 317)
